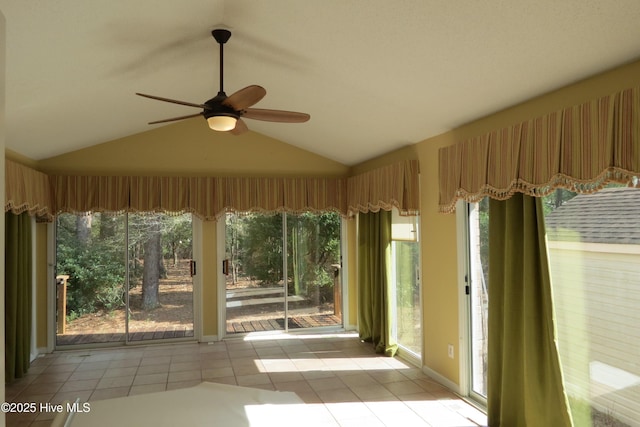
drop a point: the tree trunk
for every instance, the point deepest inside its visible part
(151, 269)
(83, 228)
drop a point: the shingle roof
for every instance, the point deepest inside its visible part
(609, 216)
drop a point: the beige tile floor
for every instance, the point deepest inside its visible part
(341, 379)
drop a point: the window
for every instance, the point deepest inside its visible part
(478, 296)
(405, 254)
(593, 242)
(594, 261)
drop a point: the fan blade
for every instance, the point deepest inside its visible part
(159, 98)
(245, 98)
(241, 127)
(275, 115)
(175, 119)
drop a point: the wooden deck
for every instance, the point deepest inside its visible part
(297, 322)
(249, 310)
(159, 334)
(262, 309)
(233, 327)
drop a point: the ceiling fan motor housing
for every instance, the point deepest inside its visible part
(215, 107)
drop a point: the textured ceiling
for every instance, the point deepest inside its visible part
(375, 75)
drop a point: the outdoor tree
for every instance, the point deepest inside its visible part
(262, 240)
(254, 245)
(91, 250)
(94, 264)
(152, 263)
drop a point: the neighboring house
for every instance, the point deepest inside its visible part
(594, 248)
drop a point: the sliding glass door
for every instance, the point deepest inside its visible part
(91, 278)
(160, 297)
(313, 270)
(123, 278)
(478, 296)
(255, 293)
(268, 291)
(405, 284)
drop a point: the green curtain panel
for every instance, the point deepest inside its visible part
(525, 384)
(17, 294)
(374, 280)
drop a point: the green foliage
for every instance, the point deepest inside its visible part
(262, 243)
(556, 199)
(254, 243)
(91, 251)
(95, 267)
(313, 250)
(407, 284)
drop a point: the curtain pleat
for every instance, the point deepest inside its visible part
(17, 294)
(580, 148)
(206, 197)
(395, 185)
(374, 281)
(525, 384)
(79, 194)
(158, 194)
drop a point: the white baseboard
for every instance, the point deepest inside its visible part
(209, 338)
(441, 379)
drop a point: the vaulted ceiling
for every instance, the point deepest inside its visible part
(374, 75)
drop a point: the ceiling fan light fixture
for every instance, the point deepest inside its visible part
(222, 123)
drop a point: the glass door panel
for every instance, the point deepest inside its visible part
(406, 289)
(313, 270)
(478, 294)
(160, 286)
(90, 276)
(255, 297)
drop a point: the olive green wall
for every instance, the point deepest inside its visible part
(440, 281)
(209, 271)
(191, 148)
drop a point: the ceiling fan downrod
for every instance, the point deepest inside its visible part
(221, 36)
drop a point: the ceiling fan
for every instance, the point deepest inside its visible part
(225, 113)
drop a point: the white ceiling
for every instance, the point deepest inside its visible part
(375, 75)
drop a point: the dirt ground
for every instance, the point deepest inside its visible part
(176, 308)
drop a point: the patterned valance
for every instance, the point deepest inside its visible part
(205, 197)
(580, 148)
(27, 190)
(79, 194)
(396, 185)
(211, 197)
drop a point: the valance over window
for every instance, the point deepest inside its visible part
(580, 148)
(396, 185)
(77, 194)
(206, 197)
(390, 186)
(27, 190)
